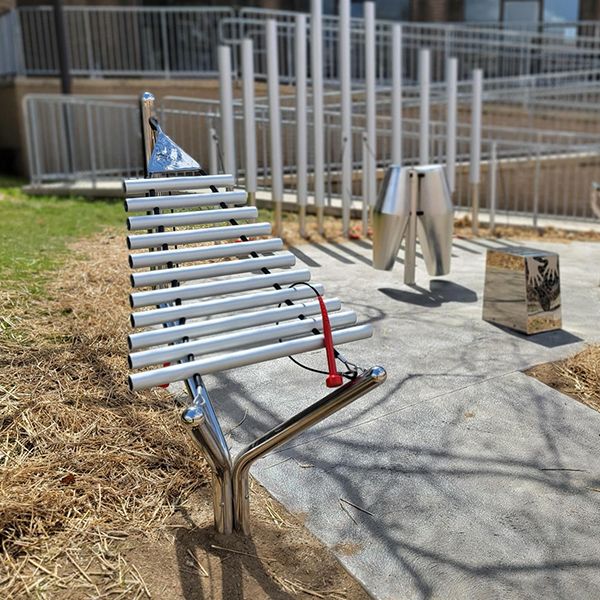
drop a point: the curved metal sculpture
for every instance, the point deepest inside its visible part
(258, 308)
(414, 202)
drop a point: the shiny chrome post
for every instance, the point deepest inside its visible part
(147, 111)
(202, 422)
(311, 415)
(410, 250)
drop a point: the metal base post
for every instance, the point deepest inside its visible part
(206, 432)
(410, 241)
(252, 198)
(231, 487)
(320, 221)
(475, 208)
(302, 220)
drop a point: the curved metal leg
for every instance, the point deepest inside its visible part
(206, 432)
(282, 433)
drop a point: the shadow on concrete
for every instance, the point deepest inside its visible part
(325, 248)
(307, 260)
(417, 489)
(439, 292)
(548, 339)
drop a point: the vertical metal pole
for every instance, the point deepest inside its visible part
(226, 101)
(147, 110)
(346, 112)
(396, 108)
(62, 43)
(475, 163)
(424, 79)
(249, 118)
(365, 185)
(410, 241)
(301, 112)
(213, 151)
(536, 184)
(275, 122)
(370, 73)
(493, 171)
(316, 39)
(206, 432)
(451, 91)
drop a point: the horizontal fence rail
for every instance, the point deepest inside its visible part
(111, 41)
(71, 138)
(537, 172)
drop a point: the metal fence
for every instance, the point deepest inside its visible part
(175, 42)
(524, 171)
(71, 138)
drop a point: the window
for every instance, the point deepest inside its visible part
(392, 10)
(556, 11)
(482, 10)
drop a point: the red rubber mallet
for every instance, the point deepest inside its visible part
(334, 379)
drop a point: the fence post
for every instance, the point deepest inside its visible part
(475, 163)
(536, 184)
(147, 110)
(371, 100)
(19, 49)
(451, 91)
(301, 112)
(346, 112)
(275, 122)
(226, 101)
(249, 118)
(396, 107)
(424, 79)
(365, 185)
(165, 43)
(316, 39)
(213, 151)
(492, 172)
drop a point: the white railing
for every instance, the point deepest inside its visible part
(538, 172)
(124, 41)
(175, 42)
(73, 137)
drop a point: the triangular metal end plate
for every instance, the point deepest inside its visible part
(168, 157)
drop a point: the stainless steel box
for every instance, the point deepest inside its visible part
(522, 289)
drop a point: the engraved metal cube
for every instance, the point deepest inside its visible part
(522, 289)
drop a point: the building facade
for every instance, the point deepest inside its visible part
(489, 11)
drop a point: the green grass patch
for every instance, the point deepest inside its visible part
(35, 230)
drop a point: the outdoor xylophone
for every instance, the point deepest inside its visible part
(214, 298)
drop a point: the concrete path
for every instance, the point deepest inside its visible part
(475, 481)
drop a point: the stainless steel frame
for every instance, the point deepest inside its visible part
(231, 498)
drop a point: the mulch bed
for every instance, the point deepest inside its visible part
(102, 489)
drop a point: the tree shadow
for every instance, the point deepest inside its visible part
(233, 555)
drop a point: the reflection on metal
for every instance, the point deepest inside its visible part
(167, 156)
(414, 198)
(522, 290)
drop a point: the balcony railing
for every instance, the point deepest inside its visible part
(172, 42)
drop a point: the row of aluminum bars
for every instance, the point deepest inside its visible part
(317, 98)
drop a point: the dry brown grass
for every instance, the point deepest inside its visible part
(462, 228)
(82, 458)
(577, 376)
(102, 494)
